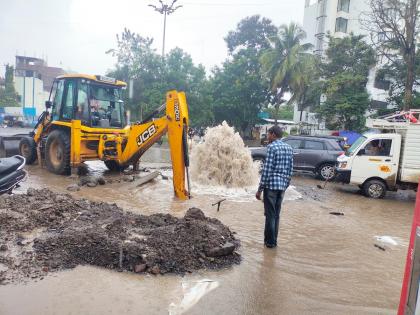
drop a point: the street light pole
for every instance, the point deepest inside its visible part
(164, 34)
(165, 9)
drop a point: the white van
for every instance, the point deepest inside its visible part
(389, 160)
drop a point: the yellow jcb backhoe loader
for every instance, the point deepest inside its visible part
(85, 120)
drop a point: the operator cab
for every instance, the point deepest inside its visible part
(94, 100)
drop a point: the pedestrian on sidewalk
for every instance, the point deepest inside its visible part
(275, 178)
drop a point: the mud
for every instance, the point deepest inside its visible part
(42, 232)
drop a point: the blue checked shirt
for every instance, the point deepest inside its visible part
(278, 166)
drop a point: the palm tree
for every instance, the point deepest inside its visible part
(285, 64)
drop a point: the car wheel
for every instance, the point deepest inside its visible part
(374, 189)
(326, 171)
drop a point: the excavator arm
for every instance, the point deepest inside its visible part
(125, 146)
(141, 137)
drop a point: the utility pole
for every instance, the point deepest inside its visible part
(165, 9)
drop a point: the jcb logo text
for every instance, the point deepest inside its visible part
(177, 113)
(146, 135)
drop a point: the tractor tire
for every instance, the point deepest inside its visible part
(57, 153)
(326, 171)
(114, 166)
(374, 189)
(27, 149)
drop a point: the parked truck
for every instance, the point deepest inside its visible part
(387, 160)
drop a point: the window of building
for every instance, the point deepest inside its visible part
(385, 36)
(343, 5)
(381, 84)
(29, 73)
(341, 25)
(20, 73)
(374, 104)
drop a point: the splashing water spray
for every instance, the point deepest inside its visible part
(223, 160)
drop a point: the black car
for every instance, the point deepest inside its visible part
(317, 154)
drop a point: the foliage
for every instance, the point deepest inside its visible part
(252, 33)
(344, 74)
(394, 27)
(153, 76)
(285, 63)
(285, 112)
(8, 95)
(238, 88)
(396, 73)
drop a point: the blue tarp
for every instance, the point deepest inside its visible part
(351, 136)
(263, 115)
(29, 111)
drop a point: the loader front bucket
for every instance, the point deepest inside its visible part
(9, 145)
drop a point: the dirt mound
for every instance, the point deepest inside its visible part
(42, 231)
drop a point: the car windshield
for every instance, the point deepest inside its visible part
(355, 146)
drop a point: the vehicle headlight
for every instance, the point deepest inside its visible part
(343, 164)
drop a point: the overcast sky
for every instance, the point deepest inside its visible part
(74, 34)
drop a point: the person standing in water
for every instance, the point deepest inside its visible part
(275, 178)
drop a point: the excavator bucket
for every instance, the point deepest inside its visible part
(177, 116)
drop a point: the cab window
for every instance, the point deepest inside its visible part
(378, 147)
(81, 111)
(56, 97)
(68, 101)
(106, 107)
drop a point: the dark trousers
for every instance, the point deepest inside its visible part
(272, 207)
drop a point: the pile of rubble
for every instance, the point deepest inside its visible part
(43, 231)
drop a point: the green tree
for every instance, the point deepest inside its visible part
(284, 63)
(394, 27)
(181, 74)
(309, 86)
(345, 74)
(8, 95)
(395, 73)
(238, 89)
(152, 77)
(285, 112)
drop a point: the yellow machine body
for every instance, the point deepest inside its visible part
(124, 145)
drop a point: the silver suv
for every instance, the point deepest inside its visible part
(317, 154)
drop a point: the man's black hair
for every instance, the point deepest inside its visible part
(276, 130)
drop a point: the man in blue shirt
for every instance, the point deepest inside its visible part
(275, 179)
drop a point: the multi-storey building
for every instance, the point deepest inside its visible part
(339, 18)
(33, 81)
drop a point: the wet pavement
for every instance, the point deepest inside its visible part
(324, 264)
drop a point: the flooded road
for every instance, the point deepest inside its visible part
(324, 264)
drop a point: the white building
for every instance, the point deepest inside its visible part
(33, 81)
(31, 92)
(339, 18)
